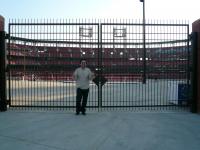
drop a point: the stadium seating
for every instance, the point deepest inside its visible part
(119, 64)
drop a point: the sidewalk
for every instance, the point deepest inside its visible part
(99, 131)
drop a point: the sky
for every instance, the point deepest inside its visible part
(176, 10)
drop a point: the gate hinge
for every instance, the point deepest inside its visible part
(190, 36)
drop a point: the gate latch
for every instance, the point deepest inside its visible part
(99, 80)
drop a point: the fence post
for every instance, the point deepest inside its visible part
(194, 75)
(196, 29)
(3, 99)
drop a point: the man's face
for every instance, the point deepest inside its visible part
(83, 64)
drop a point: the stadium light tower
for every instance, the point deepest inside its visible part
(144, 45)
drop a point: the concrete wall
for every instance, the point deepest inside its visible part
(196, 28)
(1, 23)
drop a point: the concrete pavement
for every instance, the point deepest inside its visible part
(60, 130)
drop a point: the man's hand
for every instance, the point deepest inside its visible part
(92, 76)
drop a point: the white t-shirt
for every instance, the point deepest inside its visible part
(82, 77)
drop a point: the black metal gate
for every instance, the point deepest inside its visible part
(43, 56)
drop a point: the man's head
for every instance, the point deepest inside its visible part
(83, 63)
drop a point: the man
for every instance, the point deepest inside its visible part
(82, 76)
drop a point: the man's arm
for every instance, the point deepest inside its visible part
(74, 76)
(91, 75)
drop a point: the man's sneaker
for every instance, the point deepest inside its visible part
(77, 113)
(83, 113)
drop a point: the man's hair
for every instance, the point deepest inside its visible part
(83, 59)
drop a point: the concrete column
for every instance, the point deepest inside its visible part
(1, 23)
(3, 98)
(196, 28)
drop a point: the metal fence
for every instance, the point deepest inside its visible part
(42, 55)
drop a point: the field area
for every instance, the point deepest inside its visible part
(112, 94)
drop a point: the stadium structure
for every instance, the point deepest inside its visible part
(118, 64)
